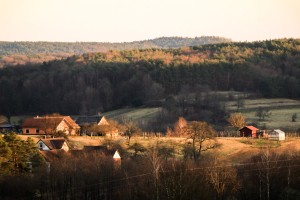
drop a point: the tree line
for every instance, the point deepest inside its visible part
(32, 48)
(14, 53)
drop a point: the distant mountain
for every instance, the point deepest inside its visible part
(33, 48)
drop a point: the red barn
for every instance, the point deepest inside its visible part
(248, 131)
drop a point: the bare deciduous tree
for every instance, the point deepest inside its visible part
(177, 181)
(237, 120)
(179, 127)
(263, 113)
(130, 129)
(267, 164)
(155, 163)
(200, 132)
(222, 178)
(294, 117)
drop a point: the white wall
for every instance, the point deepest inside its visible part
(42, 146)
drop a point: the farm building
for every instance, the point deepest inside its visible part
(52, 148)
(53, 144)
(249, 131)
(104, 127)
(49, 125)
(276, 134)
(91, 120)
(6, 127)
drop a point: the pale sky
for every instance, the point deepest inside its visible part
(132, 20)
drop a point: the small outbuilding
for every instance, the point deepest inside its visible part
(276, 134)
(53, 144)
(104, 126)
(249, 131)
(91, 120)
(6, 128)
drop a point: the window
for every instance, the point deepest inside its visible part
(41, 146)
(37, 130)
(27, 131)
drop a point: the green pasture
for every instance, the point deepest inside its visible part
(253, 104)
(260, 143)
(134, 114)
(281, 112)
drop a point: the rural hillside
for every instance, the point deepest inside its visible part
(173, 116)
(100, 82)
(149, 100)
(13, 53)
(30, 48)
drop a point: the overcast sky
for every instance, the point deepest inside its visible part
(131, 20)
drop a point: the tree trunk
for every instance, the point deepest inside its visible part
(194, 150)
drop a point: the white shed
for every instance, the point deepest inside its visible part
(277, 134)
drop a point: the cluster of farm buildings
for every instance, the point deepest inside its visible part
(49, 146)
(65, 124)
(52, 148)
(45, 126)
(253, 132)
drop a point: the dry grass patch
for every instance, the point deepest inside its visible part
(232, 149)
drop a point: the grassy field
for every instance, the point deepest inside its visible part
(281, 112)
(280, 118)
(134, 114)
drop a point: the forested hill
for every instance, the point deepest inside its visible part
(104, 81)
(32, 48)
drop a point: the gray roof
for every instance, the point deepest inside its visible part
(279, 131)
(6, 126)
(53, 143)
(88, 120)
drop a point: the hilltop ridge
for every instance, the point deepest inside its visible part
(30, 48)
